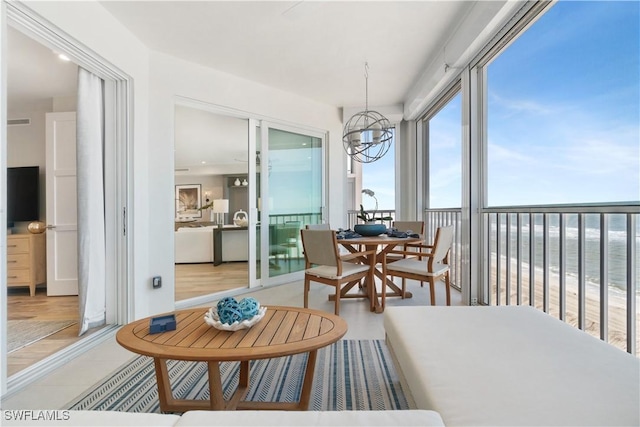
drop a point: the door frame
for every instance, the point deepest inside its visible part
(257, 123)
(265, 125)
(118, 170)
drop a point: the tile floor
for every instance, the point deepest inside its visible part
(61, 386)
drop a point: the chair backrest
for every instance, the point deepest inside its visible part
(442, 244)
(320, 247)
(318, 227)
(415, 226)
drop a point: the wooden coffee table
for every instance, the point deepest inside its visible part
(283, 331)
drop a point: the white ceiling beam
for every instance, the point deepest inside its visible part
(477, 28)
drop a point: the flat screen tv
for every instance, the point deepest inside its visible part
(23, 194)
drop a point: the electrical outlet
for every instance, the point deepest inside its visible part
(157, 282)
(474, 301)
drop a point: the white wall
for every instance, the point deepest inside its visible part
(171, 77)
(26, 144)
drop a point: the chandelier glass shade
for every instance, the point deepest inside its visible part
(367, 135)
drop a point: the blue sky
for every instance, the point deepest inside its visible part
(564, 112)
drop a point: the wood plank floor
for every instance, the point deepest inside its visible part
(192, 280)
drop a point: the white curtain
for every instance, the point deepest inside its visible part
(90, 187)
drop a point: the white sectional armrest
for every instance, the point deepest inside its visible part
(310, 418)
(511, 365)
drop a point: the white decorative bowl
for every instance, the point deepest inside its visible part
(211, 318)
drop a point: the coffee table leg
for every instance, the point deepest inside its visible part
(307, 384)
(243, 381)
(215, 386)
(243, 387)
(164, 387)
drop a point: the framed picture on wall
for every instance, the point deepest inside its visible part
(188, 201)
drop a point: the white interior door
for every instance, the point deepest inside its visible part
(62, 228)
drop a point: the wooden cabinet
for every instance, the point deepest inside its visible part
(26, 260)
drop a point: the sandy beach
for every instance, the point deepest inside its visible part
(617, 310)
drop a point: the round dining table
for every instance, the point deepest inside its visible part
(382, 244)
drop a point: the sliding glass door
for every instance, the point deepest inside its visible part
(290, 177)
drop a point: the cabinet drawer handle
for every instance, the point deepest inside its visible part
(11, 261)
(12, 277)
(12, 246)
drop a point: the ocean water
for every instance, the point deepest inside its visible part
(616, 238)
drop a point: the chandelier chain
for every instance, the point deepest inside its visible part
(366, 86)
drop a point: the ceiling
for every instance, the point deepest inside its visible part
(209, 144)
(35, 72)
(316, 49)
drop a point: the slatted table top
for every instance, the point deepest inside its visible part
(282, 331)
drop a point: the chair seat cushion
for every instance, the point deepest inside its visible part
(416, 266)
(330, 272)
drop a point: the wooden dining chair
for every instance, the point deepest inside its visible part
(400, 252)
(324, 264)
(318, 227)
(430, 263)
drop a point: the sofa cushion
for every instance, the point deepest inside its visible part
(511, 365)
(311, 418)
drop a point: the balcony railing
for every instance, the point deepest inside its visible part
(577, 263)
(302, 218)
(573, 250)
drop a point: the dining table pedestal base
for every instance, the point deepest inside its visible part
(380, 245)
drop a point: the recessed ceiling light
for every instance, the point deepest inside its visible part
(63, 57)
(203, 162)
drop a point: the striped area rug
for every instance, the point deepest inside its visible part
(349, 375)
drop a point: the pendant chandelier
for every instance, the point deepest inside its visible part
(367, 134)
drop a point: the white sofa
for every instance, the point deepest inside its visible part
(511, 365)
(227, 418)
(195, 245)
